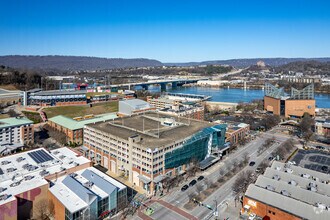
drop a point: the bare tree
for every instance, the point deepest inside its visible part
(44, 210)
(199, 187)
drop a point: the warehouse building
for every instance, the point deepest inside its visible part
(149, 147)
(133, 106)
(289, 192)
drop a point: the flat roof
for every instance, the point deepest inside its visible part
(74, 124)
(26, 173)
(130, 126)
(59, 92)
(288, 187)
(14, 121)
(72, 193)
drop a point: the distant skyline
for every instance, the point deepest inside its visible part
(166, 30)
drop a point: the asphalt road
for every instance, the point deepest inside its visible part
(179, 198)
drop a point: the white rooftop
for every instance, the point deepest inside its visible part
(73, 199)
(20, 172)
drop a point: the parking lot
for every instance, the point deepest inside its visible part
(314, 160)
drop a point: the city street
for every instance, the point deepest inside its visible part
(179, 198)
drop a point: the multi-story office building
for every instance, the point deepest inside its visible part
(295, 105)
(288, 192)
(16, 130)
(148, 147)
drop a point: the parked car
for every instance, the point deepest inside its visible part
(252, 163)
(193, 182)
(320, 147)
(184, 188)
(200, 178)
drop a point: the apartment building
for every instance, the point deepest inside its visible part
(236, 132)
(289, 192)
(185, 109)
(87, 194)
(17, 130)
(149, 147)
(38, 178)
(73, 127)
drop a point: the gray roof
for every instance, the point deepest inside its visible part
(99, 181)
(296, 191)
(81, 191)
(288, 204)
(322, 188)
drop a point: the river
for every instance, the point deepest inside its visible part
(236, 95)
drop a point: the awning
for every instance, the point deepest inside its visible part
(144, 179)
(83, 148)
(158, 178)
(208, 162)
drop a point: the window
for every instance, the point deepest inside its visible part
(103, 205)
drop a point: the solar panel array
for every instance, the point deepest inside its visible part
(40, 156)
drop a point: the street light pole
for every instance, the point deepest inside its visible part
(216, 209)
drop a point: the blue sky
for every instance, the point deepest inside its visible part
(166, 30)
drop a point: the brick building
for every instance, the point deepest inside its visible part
(73, 128)
(288, 192)
(295, 105)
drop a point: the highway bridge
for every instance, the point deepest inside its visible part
(145, 85)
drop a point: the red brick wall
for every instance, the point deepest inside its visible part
(264, 210)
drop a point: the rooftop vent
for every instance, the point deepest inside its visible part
(73, 175)
(15, 184)
(63, 168)
(321, 206)
(4, 197)
(293, 183)
(28, 177)
(311, 188)
(312, 184)
(88, 184)
(56, 152)
(2, 189)
(44, 173)
(287, 170)
(285, 193)
(276, 177)
(62, 157)
(20, 159)
(307, 176)
(11, 169)
(271, 188)
(76, 164)
(278, 168)
(5, 162)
